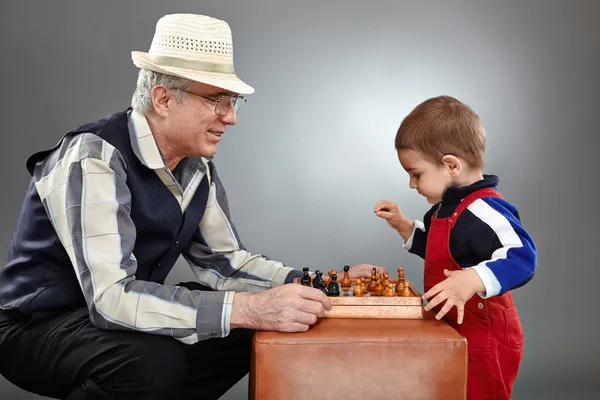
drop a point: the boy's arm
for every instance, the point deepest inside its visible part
(507, 250)
(417, 242)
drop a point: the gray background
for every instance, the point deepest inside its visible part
(313, 150)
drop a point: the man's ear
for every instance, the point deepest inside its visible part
(452, 164)
(160, 100)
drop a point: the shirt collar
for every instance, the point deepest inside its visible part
(455, 194)
(145, 147)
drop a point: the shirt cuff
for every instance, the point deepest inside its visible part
(491, 284)
(213, 317)
(418, 225)
(293, 274)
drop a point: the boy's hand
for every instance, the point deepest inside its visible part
(393, 215)
(456, 289)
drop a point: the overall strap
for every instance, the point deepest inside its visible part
(467, 201)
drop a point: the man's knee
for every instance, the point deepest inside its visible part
(148, 369)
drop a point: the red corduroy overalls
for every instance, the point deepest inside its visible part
(491, 326)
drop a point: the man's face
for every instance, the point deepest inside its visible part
(194, 128)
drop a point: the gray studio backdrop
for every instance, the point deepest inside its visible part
(313, 149)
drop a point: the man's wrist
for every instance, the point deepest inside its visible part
(239, 310)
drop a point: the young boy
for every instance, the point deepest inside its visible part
(475, 249)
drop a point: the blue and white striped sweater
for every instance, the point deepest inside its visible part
(488, 236)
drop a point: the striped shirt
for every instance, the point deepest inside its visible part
(83, 186)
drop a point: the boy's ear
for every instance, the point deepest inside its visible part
(452, 164)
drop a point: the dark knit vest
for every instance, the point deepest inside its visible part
(38, 274)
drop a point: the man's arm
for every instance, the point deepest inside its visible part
(219, 259)
(83, 188)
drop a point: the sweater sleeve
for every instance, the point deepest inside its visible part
(508, 251)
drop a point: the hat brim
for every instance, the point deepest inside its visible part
(224, 81)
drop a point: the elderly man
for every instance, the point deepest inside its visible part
(85, 313)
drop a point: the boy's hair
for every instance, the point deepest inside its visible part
(443, 125)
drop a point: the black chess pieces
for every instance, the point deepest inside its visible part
(305, 279)
(333, 289)
(319, 282)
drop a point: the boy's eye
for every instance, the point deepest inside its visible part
(416, 176)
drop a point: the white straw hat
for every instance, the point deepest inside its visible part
(195, 47)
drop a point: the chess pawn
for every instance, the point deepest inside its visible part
(379, 289)
(346, 281)
(365, 286)
(333, 289)
(406, 292)
(305, 279)
(400, 283)
(358, 292)
(373, 283)
(389, 292)
(399, 287)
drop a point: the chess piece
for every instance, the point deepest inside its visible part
(379, 288)
(318, 282)
(364, 285)
(305, 279)
(389, 292)
(333, 289)
(400, 283)
(373, 283)
(407, 292)
(399, 287)
(358, 292)
(346, 281)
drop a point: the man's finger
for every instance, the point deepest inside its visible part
(310, 293)
(312, 307)
(294, 327)
(305, 318)
(435, 301)
(444, 309)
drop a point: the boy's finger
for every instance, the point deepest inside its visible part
(384, 205)
(460, 309)
(384, 214)
(436, 300)
(433, 291)
(444, 309)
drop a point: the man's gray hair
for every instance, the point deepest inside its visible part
(142, 97)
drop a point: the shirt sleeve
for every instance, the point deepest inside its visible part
(417, 242)
(219, 259)
(509, 252)
(83, 187)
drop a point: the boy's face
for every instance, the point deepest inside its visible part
(428, 179)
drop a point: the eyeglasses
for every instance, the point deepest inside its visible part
(223, 102)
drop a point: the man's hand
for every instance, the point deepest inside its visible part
(361, 271)
(456, 289)
(395, 218)
(286, 308)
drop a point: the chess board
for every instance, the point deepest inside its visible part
(369, 305)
